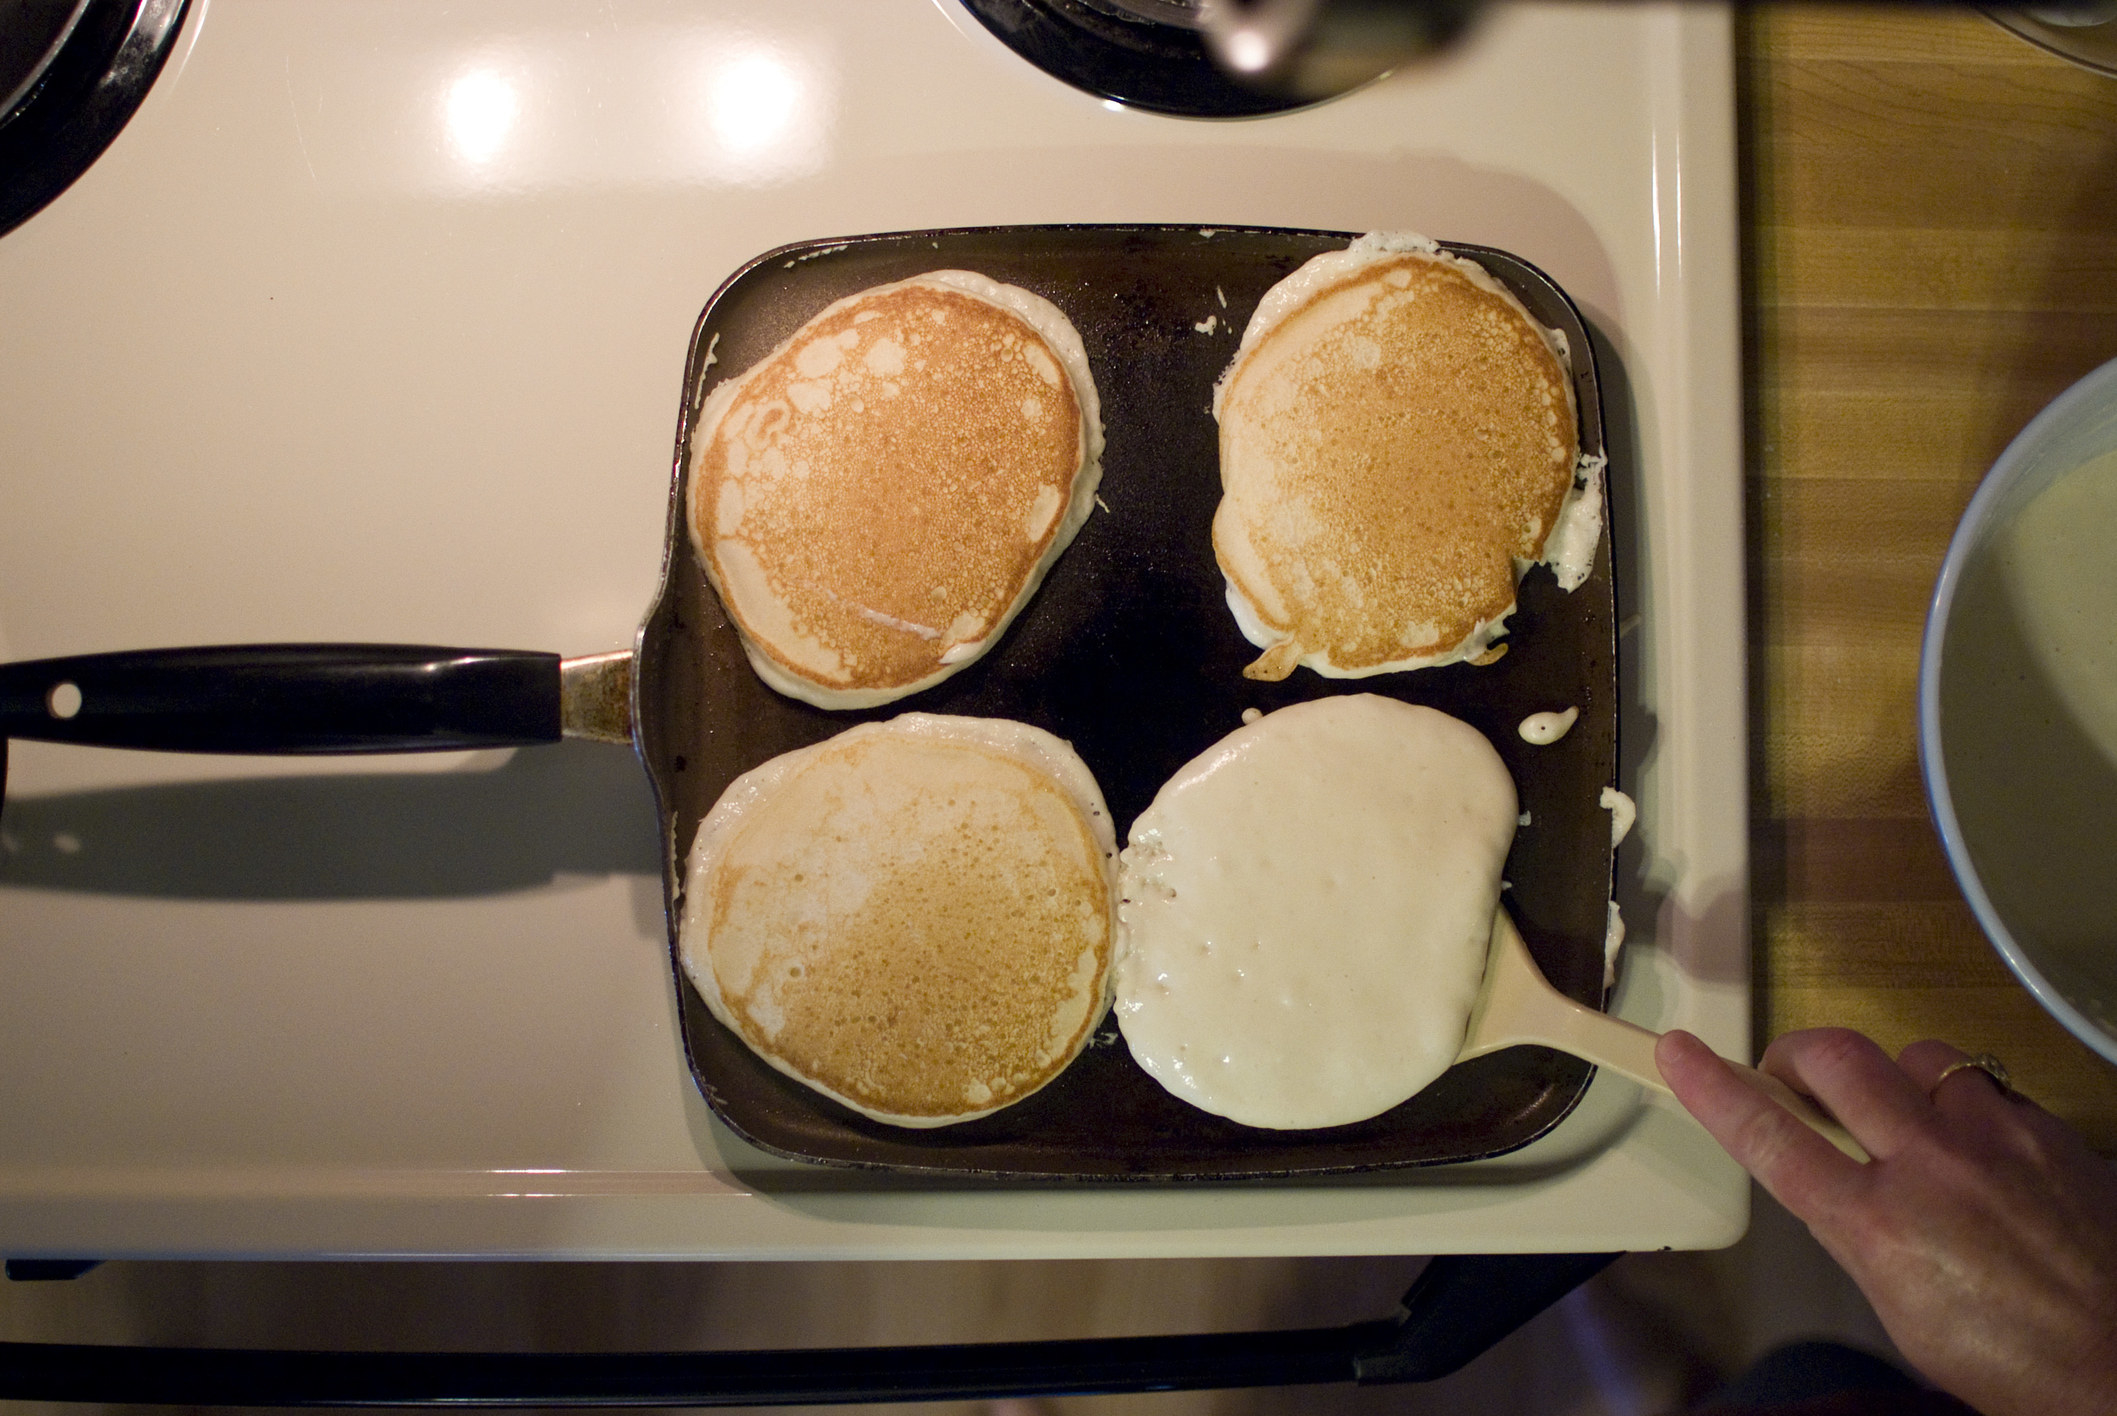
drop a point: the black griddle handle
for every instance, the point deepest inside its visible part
(1458, 1308)
(286, 698)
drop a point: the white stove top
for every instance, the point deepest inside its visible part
(371, 326)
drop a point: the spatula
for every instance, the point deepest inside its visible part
(1518, 1005)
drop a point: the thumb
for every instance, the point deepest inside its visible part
(1802, 1171)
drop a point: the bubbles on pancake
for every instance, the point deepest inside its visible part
(1396, 434)
(914, 917)
(1306, 906)
(944, 424)
(885, 357)
(948, 908)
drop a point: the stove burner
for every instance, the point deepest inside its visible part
(72, 72)
(1183, 13)
(1143, 53)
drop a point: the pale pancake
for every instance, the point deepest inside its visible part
(1398, 443)
(1305, 909)
(915, 917)
(877, 498)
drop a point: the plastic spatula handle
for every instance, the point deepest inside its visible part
(1518, 1005)
(287, 698)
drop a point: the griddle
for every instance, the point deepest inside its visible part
(1128, 651)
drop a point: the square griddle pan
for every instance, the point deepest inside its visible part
(1129, 652)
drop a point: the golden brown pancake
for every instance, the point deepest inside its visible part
(877, 498)
(1397, 440)
(914, 917)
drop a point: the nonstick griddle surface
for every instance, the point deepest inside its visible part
(1128, 651)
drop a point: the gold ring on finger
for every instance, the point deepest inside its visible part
(1984, 1062)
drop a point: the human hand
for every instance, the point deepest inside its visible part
(1984, 1231)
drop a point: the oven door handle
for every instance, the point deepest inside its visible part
(1457, 1309)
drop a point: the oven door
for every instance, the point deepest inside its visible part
(1458, 1308)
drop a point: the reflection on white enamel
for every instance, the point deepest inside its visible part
(544, 109)
(767, 111)
(752, 101)
(481, 110)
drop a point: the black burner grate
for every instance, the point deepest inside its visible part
(1111, 49)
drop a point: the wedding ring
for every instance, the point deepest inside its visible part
(1984, 1062)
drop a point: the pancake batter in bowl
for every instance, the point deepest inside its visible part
(2029, 728)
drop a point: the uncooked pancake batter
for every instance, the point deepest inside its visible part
(1306, 908)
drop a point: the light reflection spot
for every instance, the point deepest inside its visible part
(482, 109)
(754, 101)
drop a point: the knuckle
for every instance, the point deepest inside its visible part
(1761, 1140)
(1924, 1059)
(1824, 1061)
(1840, 1049)
(2034, 1144)
(1813, 1046)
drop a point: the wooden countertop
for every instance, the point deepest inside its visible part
(1930, 223)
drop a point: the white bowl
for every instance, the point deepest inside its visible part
(2022, 782)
